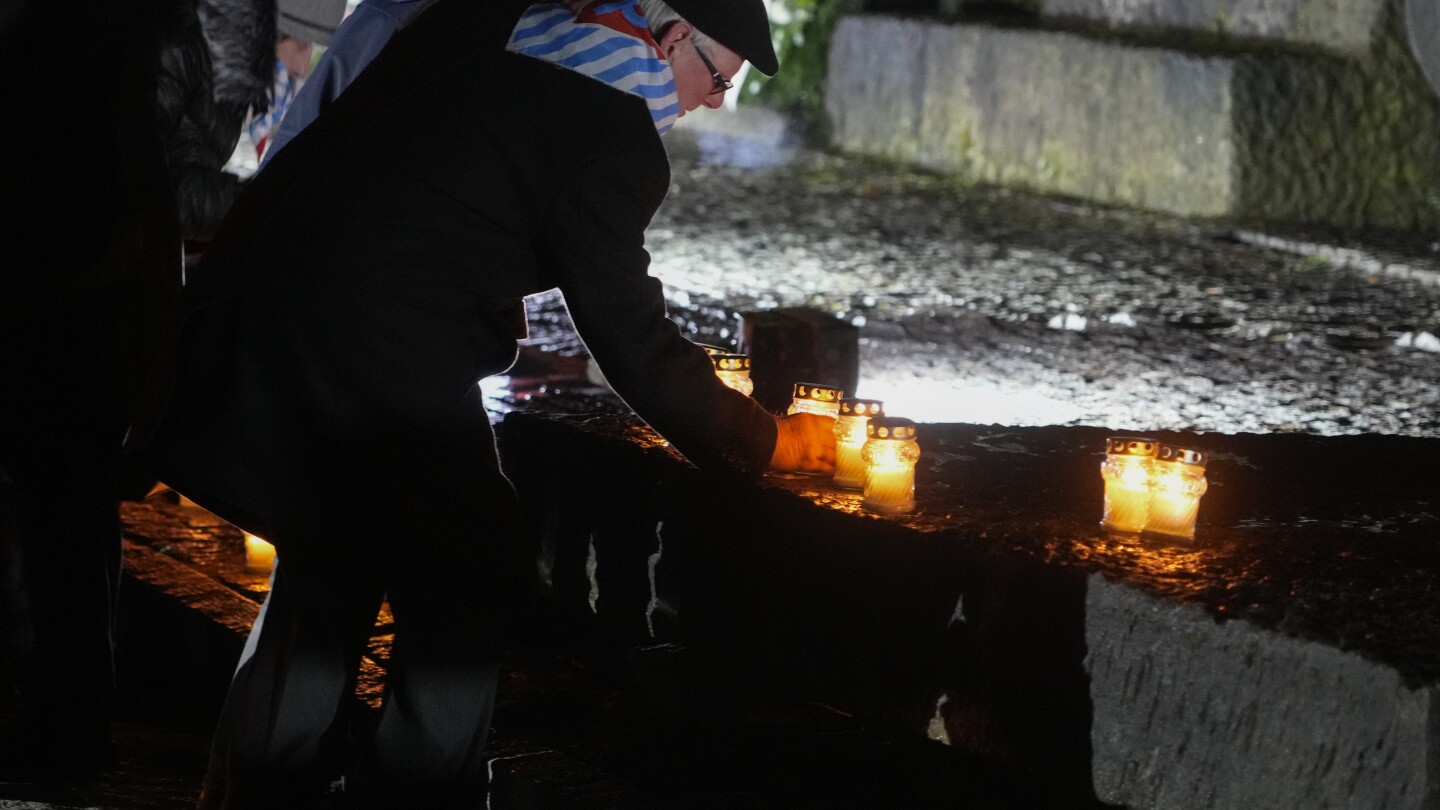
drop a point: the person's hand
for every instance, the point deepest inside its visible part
(805, 443)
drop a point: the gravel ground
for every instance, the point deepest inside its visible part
(982, 304)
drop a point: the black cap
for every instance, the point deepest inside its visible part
(740, 25)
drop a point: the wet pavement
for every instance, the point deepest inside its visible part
(980, 304)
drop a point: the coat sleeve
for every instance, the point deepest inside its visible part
(198, 136)
(596, 248)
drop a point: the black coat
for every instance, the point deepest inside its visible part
(360, 287)
(198, 131)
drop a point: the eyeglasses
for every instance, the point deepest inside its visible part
(721, 83)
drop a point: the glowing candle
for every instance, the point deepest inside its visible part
(734, 371)
(850, 437)
(813, 398)
(890, 453)
(259, 555)
(1126, 470)
(1177, 481)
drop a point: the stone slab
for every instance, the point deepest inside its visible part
(1180, 699)
(985, 617)
(1052, 111)
(1268, 135)
(1345, 26)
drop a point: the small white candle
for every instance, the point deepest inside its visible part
(734, 371)
(259, 555)
(855, 414)
(890, 454)
(818, 399)
(1126, 471)
(1177, 484)
(890, 490)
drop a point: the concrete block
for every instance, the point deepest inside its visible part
(1345, 142)
(797, 344)
(1051, 111)
(1344, 26)
(1180, 699)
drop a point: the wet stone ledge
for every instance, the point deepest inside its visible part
(1287, 657)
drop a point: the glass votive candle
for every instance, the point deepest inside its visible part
(259, 554)
(890, 453)
(850, 438)
(734, 371)
(814, 398)
(1177, 481)
(1126, 470)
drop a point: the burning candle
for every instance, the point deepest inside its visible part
(812, 398)
(734, 371)
(890, 453)
(850, 437)
(259, 555)
(1126, 470)
(1177, 482)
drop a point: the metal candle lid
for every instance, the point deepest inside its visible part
(731, 362)
(850, 406)
(1182, 455)
(713, 350)
(1131, 446)
(818, 392)
(890, 427)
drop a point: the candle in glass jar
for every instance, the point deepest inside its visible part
(259, 555)
(850, 438)
(813, 398)
(734, 371)
(890, 453)
(1177, 481)
(1126, 470)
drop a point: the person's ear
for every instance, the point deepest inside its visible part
(674, 34)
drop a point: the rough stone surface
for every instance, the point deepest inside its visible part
(1351, 142)
(1300, 138)
(549, 779)
(1052, 111)
(182, 584)
(1347, 26)
(968, 619)
(1190, 713)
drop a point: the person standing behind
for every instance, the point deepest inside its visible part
(301, 25)
(356, 42)
(89, 262)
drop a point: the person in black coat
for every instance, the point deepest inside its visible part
(91, 270)
(367, 279)
(89, 261)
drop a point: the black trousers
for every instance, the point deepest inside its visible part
(60, 432)
(447, 556)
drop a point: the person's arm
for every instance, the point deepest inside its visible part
(194, 146)
(595, 244)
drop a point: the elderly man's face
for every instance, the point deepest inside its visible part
(695, 83)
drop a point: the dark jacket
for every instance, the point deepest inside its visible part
(89, 248)
(198, 131)
(360, 287)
